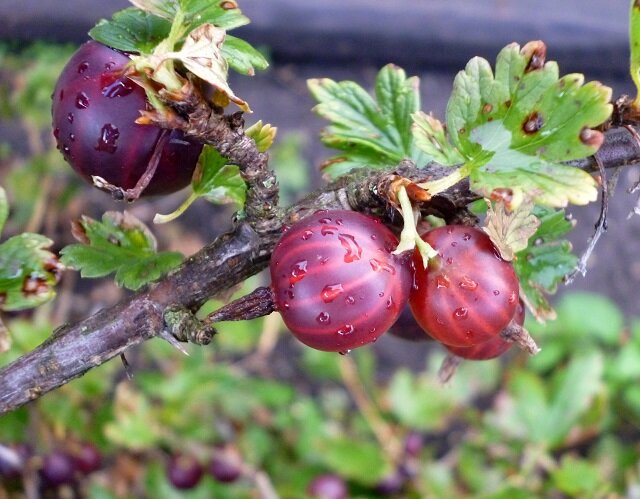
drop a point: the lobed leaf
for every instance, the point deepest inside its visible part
(218, 181)
(131, 30)
(119, 244)
(29, 272)
(510, 230)
(242, 56)
(372, 132)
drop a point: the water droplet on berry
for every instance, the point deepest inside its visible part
(449, 230)
(286, 305)
(378, 266)
(322, 259)
(328, 230)
(442, 281)
(468, 334)
(496, 292)
(108, 138)
(109, 65)
(460, 313)
(468, 283)
(72, 137)
(454, 243)
(339, 221)
(323, 318)
(70, 117)
(118, 88)
(373, 237)
(389, 303)
(298, 271)
(65, 149)
(307, 234)
(289, 294)
(512, 298)
(466, 236)
(346, 329)
(82, 101)
(350, 300)
(440, 321)
(82, 67)
(345, 352)
(381, 294)
(449, 261)
(325, 220)
(353, 249)
(330, 292)
(371, 331)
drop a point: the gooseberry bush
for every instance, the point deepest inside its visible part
(452, 231)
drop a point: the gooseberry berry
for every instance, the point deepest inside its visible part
(94, 111)
(468, 293)
(336, 282)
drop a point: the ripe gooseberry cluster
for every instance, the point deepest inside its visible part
(338, 286)
(95, 107)
(184, 471)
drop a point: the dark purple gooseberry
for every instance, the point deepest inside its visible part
(336, 283)
(223, 469)
(407, 328)
(468, 293)
(87, 458)
(184, 472)
(94, 112)
(58, 468)
(327, 486)
(489, 349)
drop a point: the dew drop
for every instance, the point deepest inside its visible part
(373, 237)
(454, 243)
(379, 266)
(468, 334)
(323, 260)
(442, 281)
(353, 249)
(440, 321)
(109, 65)
(449, 261)
(460, 313)
(449, 230)
(289, 294)
(496, 292)
(72, 137)
(286, 305)
(325, 220)
(108, 138)
(345, 352)
(66, 150)
(389, 303)
(328, 230)
(349, 300)
(339, 221)
(82, 67)
(466, 236)
(372, 330)
(118, 88)
(298, 271)
(512, 298)
(346, 330)
(330, 292)
(323, 318)
(381, 294)
(307, 234)
(82, 100)
(468, 283)
(70, 117)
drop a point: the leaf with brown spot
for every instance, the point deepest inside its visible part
(510, 230)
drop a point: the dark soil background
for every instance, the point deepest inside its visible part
(432, 39)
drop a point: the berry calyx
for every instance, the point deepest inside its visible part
(468, 293)
(335, 281)
(94, 111)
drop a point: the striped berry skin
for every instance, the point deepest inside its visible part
(94, 110)
(468, 293)
(489, 349)
(336, 283)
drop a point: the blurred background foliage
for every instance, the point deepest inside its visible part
(562, 424)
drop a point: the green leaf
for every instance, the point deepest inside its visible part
(372, 132)
(131, 30)
(576, 477)
(515, 127)
(430, 137)
(546, 261)
(634, 40)
(242, 56)
(224, 14)
(4, 208)
(217, 181)
(360, 461)
(28, 272)
(580, 382)
(122, 244)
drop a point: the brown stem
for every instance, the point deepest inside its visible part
(74, 349)
(258, 303)
(520, 336)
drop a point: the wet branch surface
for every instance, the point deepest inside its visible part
(74, 349)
